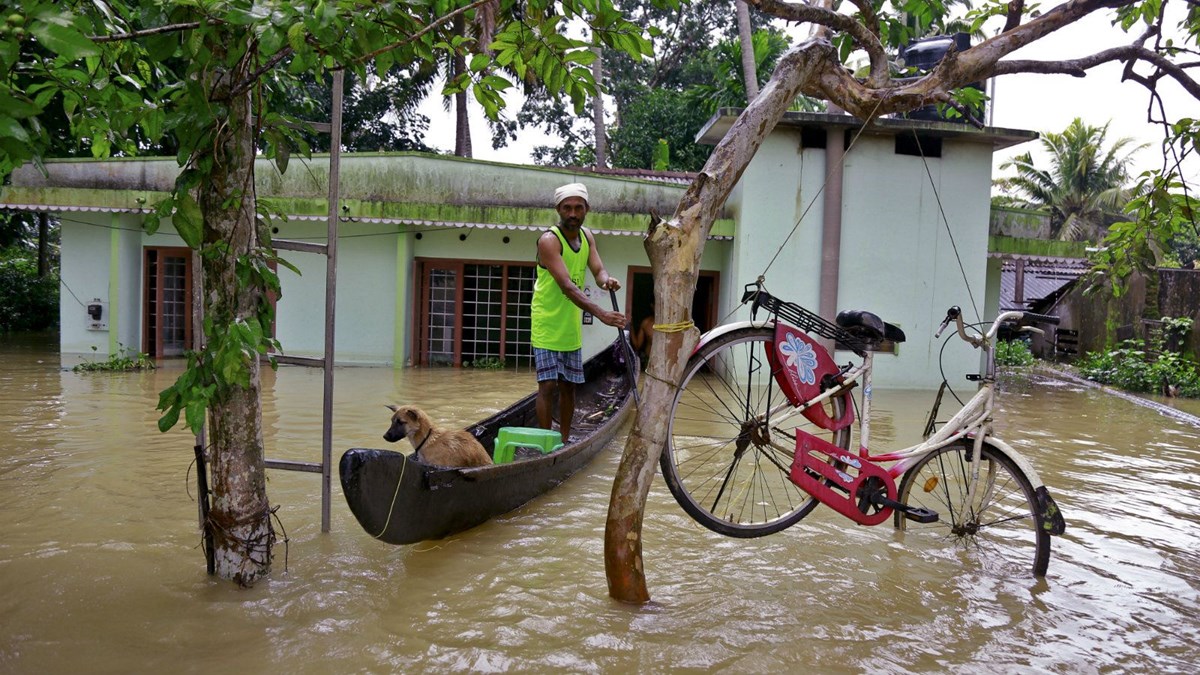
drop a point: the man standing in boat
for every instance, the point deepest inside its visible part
(564, 254)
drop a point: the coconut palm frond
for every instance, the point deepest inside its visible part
(1084, 186)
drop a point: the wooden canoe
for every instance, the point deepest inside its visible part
(400, 500)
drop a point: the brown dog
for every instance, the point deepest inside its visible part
(443, 447)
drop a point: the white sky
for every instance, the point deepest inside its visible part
(1034, 102)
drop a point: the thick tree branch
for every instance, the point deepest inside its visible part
(863, 36)
(982, 61)
(1015, 8)
(1128, 54)
(992, 50)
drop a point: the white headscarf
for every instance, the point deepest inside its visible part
(570, 190)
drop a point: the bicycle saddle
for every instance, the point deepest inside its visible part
(864, 324)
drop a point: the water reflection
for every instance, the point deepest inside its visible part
(100, 569)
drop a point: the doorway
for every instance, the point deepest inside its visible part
(167, 303)
(641, 298)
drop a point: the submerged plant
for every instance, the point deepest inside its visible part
(1013, 354)
(124, 360)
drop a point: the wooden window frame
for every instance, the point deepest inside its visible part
(458, 266)
(162, 252)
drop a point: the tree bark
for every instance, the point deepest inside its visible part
(43, 245)
(675, 248)
(240, 517)
(462, 127)
(598, 129)
(746, 38)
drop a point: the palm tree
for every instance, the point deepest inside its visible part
(726, 86)
(745, 41)
(1085, 187)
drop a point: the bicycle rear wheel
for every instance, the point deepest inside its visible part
(726, 461)
(1000, 527)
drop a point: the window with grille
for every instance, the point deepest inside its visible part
(474, 313)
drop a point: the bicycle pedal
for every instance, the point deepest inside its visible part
(921, 515)
(914, 513)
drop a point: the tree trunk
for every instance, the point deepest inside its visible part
(240, 518)
(746, 38)
(43, 245)
(462, 127)
(675, 248)
(598, 130)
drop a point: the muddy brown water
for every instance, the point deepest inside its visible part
(100, 568)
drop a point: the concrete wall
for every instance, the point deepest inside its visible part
(897, 259)
(102, 259)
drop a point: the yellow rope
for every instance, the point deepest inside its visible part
(399, 481)
(673, 327)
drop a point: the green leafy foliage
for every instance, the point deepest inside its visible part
(1155, 368)
(125, 360)
(1013, 354)
(1134, 368)
(1163, 219)
(27, 303)
(1085, 187)
(229, 350)
(660, 115)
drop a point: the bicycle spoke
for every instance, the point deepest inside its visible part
(721, 461)
(999, 526)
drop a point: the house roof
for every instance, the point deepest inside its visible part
(1043, 280)
(412, 189)
(999, 138)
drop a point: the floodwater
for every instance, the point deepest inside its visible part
(101, 569)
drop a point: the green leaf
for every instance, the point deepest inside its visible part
(295, 37)
(196, 407)
(169, 419)
(188, 220)
(11, 128)
(63, 40)
(479, 62)
(583, 57)
(288, 265)
(150, 222)
(282, 154)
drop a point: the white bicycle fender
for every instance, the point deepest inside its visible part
(729, 328)
(1017, 459)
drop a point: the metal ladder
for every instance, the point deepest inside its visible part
(329, 250)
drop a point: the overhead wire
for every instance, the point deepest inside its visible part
(821, 190)
(946, 221)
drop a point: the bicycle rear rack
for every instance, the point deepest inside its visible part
(803, 319)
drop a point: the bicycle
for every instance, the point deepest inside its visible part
(760, 428)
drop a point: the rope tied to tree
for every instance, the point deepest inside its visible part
(673, 327)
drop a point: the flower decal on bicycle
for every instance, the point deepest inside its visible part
(800, 357)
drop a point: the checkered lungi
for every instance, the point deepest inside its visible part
(552, 365)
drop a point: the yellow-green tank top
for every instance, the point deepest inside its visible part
(557, 322)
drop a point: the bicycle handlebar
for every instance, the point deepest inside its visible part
(1040, 318)
(955, 314)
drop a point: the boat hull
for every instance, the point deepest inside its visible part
(400, 500)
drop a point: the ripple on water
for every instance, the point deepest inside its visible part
(101, 570)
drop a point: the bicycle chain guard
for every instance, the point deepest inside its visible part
(801, 365)
(833, 484)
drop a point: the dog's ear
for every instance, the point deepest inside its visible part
(390, 407)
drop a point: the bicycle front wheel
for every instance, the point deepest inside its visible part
(727, 458)
(999, 525)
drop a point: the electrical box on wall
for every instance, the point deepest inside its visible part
(97, 315)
